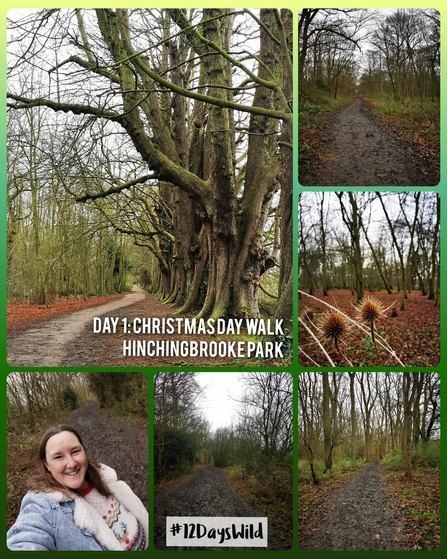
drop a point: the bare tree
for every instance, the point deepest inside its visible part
(268, 405)
(207, 121)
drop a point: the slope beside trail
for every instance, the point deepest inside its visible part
(359, 515)
(118, 445)
(358, 152)
(46, 343)
(207, 493)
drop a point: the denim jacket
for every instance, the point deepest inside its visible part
(57, 522)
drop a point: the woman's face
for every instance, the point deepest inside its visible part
(66, 460)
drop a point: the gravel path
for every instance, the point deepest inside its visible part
(45, 344)
(361, 153)
(357, 516)
(207, 493)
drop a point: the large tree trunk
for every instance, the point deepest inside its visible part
(206, 214)
(219, 171)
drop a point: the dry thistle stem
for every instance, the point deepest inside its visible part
(369, 310)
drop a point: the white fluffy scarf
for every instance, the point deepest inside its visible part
(85, 516)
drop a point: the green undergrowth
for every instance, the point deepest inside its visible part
(415, 121)
(339, 467)
(165, 484)
(425, 455)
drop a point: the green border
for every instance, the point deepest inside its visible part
(294, 368)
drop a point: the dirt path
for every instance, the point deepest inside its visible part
(69, 340)
(361, 153)
(357, 516)
(46, 343)
(207, 493)
(122, 447)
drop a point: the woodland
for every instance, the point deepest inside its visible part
(390, 58)
(345, 420)
(369, 278)
(38, 400)
(155, 147)
(254, 451)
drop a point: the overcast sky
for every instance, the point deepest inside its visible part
(218, 400)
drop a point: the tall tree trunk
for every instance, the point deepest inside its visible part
(352, 222)
(327, 431)
(353, 415)
(434, 252)
(407, 432)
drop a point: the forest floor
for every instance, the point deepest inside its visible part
(357, 150)
(21, 316)
(375, 509)
(206, 493)
(414, 334)
(66, 337)
(119, 445)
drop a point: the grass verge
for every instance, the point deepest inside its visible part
(417, 123)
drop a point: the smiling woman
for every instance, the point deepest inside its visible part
(75, 503)
(66, 460)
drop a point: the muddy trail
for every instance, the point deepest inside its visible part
(359, 152)
(360, 515)
(69, 341)
(207, 493)
(122, 447)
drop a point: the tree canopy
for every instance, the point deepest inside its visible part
(175, 127)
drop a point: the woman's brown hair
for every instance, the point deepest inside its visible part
(42, 479)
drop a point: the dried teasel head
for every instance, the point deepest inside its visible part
(309, 315)
(333, 326)
(370, 309)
